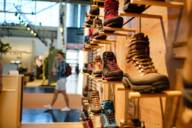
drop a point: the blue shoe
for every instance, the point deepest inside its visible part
(108, 115)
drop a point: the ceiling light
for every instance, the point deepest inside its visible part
(32, 31)
(61, 29)
(35, 34)
(28, 28)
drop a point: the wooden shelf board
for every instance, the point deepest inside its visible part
(8, 90)
(162, 94)
(144, 15)
(114, 34)
(98, 0)
(119, 29)
(112, 82)
(179, 44)
(103, 41)
(180, 51)
(171, 4)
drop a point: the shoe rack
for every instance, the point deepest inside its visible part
(115, 90)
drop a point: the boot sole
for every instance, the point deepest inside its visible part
(153, 88)
(114, 22)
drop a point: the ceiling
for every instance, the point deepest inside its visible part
(68, 1)
(17, 30)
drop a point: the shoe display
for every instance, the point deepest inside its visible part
(95, 102)
(187, 94)
(111, 18)
(142, 75)
(111, 70)
(108, 114)
(98, 67)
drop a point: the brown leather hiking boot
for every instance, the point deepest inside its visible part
(142, 75)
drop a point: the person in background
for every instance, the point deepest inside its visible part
(59, 71)
(77, 69)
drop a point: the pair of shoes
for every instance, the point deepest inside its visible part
(108, 115)
(111, 70)
(142, 75)
(97, 67)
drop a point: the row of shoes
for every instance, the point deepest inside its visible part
(106, 67)
(142, 75)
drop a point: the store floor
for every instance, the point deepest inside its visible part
(37, 95)
(49, 116)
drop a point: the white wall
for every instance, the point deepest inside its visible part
(24, 49)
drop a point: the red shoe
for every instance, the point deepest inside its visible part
(111, 14)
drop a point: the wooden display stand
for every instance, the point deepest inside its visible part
(10, 102)
(115, 90)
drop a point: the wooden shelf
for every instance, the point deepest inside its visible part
(179, 44)
(8, 90)
(141, 15)
(98, 0)
(103, 41)
(115, 34)
(119, 29)
(171, 4)
(174, 93)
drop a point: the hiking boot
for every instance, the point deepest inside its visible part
(97, 67)
(133, 8)
(108, 115)
(95, 102)
(142, 75)
(94, 10)
(111, 70)
(97, 23)
(111, 18)
(187, 94)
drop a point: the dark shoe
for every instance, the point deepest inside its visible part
(142, 75)
(111, 70)
(187, 94)
(108, 115)
(94, 10)
(99, 36)
(111, 18)
(133, 8)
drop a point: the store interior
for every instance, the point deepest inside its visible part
(127, 63)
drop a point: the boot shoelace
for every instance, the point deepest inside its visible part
(141, 59)
(111, 7)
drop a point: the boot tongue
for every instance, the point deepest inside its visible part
(139, 54)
